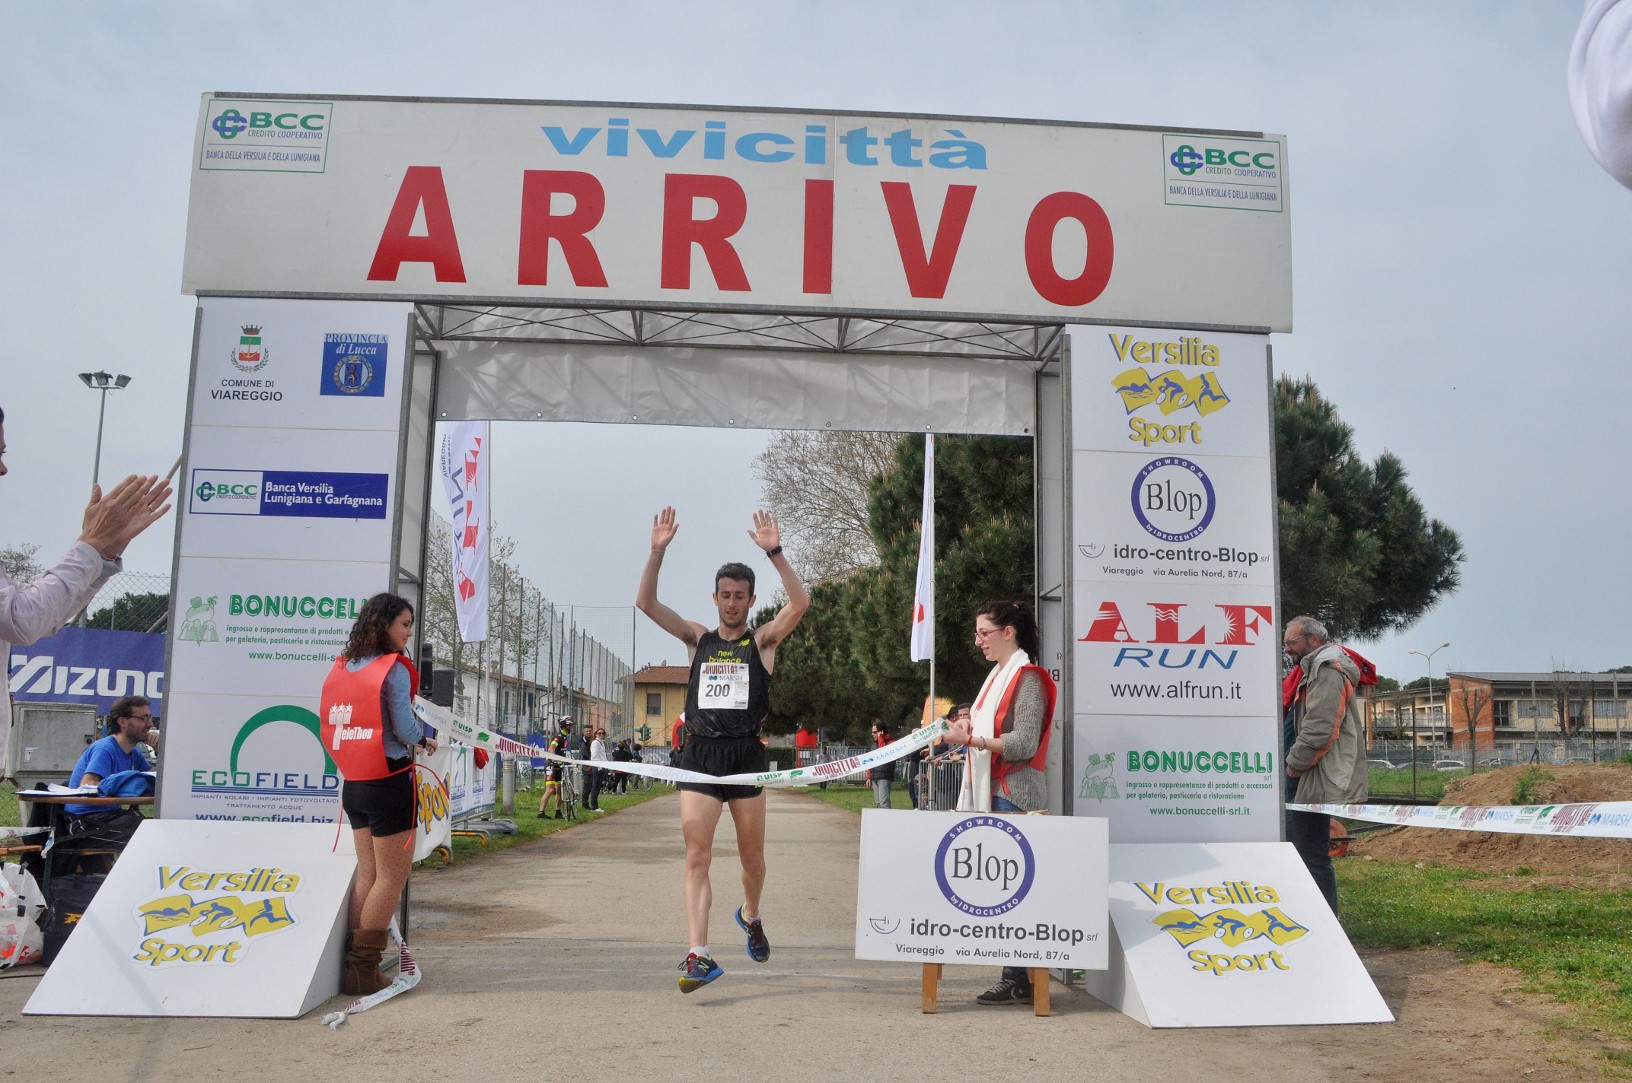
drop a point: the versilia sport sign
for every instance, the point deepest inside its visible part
(687, 207)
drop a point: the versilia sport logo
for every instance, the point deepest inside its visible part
(209, 917)
(985, 866)
(1233, 926)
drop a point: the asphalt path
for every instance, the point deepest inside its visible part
(558, 959)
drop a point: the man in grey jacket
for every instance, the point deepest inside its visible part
(1326, 763)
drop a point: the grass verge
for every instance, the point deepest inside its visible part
(856, 796)
(1570, 944)
(529, 826)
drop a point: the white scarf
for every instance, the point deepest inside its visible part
(976, 795)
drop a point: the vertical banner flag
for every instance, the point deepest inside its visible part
(462, 459)
(923, 603)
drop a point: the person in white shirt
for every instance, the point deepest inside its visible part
(32, 611)
(1600, 80)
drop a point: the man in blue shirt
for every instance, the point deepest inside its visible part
(129, 721)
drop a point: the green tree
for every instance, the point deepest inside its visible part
(848, 662)
(133, 613)
(1357, 550)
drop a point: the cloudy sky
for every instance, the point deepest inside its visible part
(1460, 263)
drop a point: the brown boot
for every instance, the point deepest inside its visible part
(362, 975)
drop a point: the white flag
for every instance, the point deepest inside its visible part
(462, 460)
(923, 603)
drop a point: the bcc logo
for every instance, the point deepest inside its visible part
(208, 491)
(231, 123)
(1188, 160)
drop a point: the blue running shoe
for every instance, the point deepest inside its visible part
(759, 948)
(699, 970)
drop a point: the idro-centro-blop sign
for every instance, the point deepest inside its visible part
(699, 207)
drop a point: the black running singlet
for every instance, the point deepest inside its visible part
(729, 693)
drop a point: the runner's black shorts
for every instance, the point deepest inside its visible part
(384, 806)
(723, 756)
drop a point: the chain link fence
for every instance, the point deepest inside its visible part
(130, 602)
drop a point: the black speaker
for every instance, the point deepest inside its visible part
(441, 686)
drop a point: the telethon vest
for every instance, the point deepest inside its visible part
(351, 721)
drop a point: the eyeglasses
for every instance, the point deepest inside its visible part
(982, 634)
(141, 718)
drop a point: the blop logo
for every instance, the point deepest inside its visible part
(1173, 499)
(984, 866)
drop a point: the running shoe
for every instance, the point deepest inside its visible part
(1006, 991)
(698, 971)
(759, 948)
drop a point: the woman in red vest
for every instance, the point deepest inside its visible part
(368, 725)
(1006, 738)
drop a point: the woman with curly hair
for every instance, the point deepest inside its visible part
(368, 725)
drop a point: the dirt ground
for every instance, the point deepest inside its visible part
(558, 958)
(1599, 863)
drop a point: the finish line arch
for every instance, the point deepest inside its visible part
(368, 266)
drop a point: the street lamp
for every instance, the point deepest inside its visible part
(1429, 657)
(104, 382)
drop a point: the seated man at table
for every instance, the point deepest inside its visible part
(129, 720)
(99, 832)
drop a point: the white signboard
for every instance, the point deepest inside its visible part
(1228, 936)
(1168, 647)
(1178, 780)
(433, 816)
(978, 888)
(294, 439)
(1176, 644)
(208, 920)
(258, 627)
(1162, 391)
(1154, 518)
(254, 757)
(669, 206)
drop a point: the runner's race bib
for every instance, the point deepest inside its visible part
(724, 685)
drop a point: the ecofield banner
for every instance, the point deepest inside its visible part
(1176, 651)
(291, 485)
(702, 207)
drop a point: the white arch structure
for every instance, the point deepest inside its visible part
(367, 266)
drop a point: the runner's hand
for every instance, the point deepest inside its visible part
(664, 528)
(766, 534)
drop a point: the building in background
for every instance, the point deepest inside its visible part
(1499, 718)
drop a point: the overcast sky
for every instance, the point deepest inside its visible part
(1460, 263)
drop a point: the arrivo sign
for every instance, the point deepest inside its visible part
(705, 212)
(667, 206)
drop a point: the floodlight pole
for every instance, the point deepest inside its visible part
(1429, 657)
(104, 382)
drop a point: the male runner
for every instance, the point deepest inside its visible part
(727, 699)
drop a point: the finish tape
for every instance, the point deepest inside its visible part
(446, 724)
(1597, 820)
